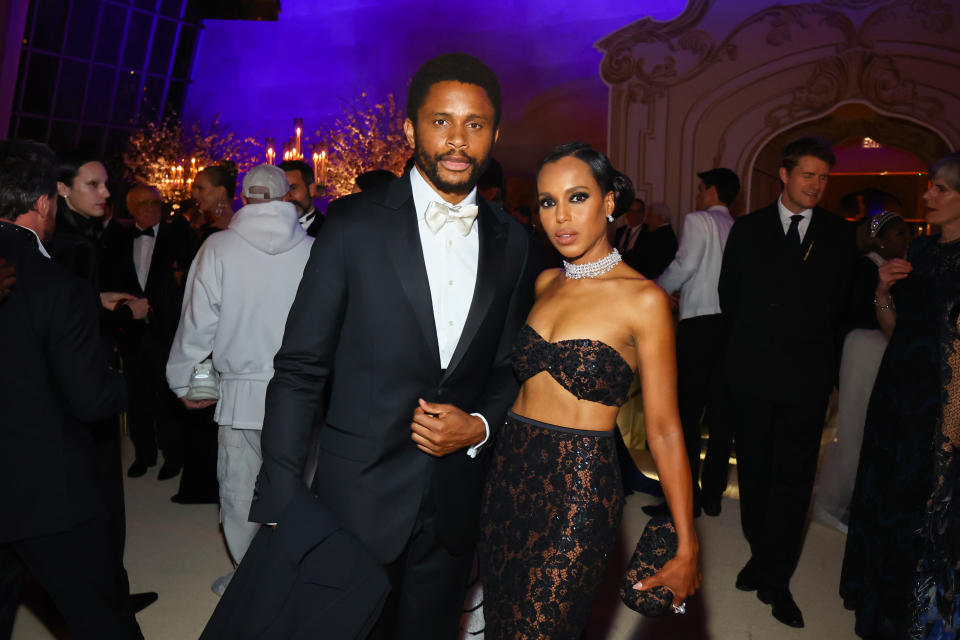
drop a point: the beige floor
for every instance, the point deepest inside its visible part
(177, 551)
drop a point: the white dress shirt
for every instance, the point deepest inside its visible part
(451, 259)
(143, 254)
(785, 215)
(307, 219)
(40, 246)
(695, 269)
(629, 237)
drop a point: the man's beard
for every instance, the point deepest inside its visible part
(430, 166)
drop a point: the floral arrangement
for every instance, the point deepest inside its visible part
(168, 156)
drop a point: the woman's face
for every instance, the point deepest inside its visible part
(895, 240)
(206, 194)
(88, 194)
(573, 211)
(943, 202)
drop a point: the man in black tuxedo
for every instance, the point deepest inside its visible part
(657, 244)
(303, 189)
(408, 307)
(627, 238)
(53, 380)
(783, 288)
(150, 260)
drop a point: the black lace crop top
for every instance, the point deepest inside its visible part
(589, 369)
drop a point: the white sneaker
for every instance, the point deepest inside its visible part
(220, 584)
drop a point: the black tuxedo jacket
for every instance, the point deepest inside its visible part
(173, 251)
(314, 227)
(363, 322)
(54, 378)
(785, 315)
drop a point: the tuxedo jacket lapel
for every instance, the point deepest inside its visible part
(402, 239)
(492, 243)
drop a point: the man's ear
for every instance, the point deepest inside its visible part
(312, 190)
(243, 199)
(46, 205)
(409, 132)
(496, 135)
(784, 175)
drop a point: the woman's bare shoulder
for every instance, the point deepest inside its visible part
(545, 279)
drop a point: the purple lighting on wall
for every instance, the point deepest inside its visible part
(320, 56)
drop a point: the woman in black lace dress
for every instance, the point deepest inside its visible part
(553, 498)
(902, 563)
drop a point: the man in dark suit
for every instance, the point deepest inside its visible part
(783, 289)
(657, 244)
(408, 307)
(150, 260)
(54, 379)
(303, 189)
(627, 238)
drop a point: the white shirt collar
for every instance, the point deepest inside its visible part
(39, 244)
(424, 194)
(785, 213)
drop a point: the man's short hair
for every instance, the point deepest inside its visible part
(28, 170)
(726, 182)
(455, 67)
(306, 173)
(806, 146)
(373, 178)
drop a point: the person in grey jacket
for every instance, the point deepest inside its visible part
(239, 291)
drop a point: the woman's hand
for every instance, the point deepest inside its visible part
(889, 273)
(681, 575)
(197, 404)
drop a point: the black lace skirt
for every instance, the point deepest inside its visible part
(551, 511)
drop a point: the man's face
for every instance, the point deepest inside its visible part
(706, 196)
(635, 213)
(452, 137)
(804, 186)
(144, 205)
(299, 194)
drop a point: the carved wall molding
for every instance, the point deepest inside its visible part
(624, 61)
(855, 73)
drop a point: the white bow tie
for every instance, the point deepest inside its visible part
(440, 213)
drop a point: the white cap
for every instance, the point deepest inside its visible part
(265, 182)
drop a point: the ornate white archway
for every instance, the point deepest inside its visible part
(715, 85)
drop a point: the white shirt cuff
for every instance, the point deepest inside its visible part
(475, 449)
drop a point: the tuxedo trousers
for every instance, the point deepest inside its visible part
(778, 443)
(428, 585)
(700, 344)
(154, 413)
(78, 570)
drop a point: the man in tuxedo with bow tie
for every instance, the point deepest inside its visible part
(408, 307)
(150, 261)
(784, 286)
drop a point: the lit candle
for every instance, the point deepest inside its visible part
(298, 126)
(322, 177)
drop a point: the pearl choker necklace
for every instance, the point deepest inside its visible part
(592, 269)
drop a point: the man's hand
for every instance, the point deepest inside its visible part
(8, 278)
(197, 404)
(110, 299)
(140, 307)
(440, 429)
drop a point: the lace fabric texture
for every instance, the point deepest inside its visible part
(589, 369)
(551, 511)
(901, 569)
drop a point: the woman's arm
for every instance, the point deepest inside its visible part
(658, 370)
(888, 274)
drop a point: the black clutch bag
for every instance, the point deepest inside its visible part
(657, 545)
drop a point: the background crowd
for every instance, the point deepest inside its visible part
(773, 311)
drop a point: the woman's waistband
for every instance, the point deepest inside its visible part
(606, 433)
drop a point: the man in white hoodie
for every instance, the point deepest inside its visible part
(238, 295)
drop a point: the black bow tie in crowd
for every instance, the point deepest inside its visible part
(137, 232)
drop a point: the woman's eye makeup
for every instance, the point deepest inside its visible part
(546, 202)
(579, 196)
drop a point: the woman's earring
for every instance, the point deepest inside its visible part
(609, 217)
(219, 208)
